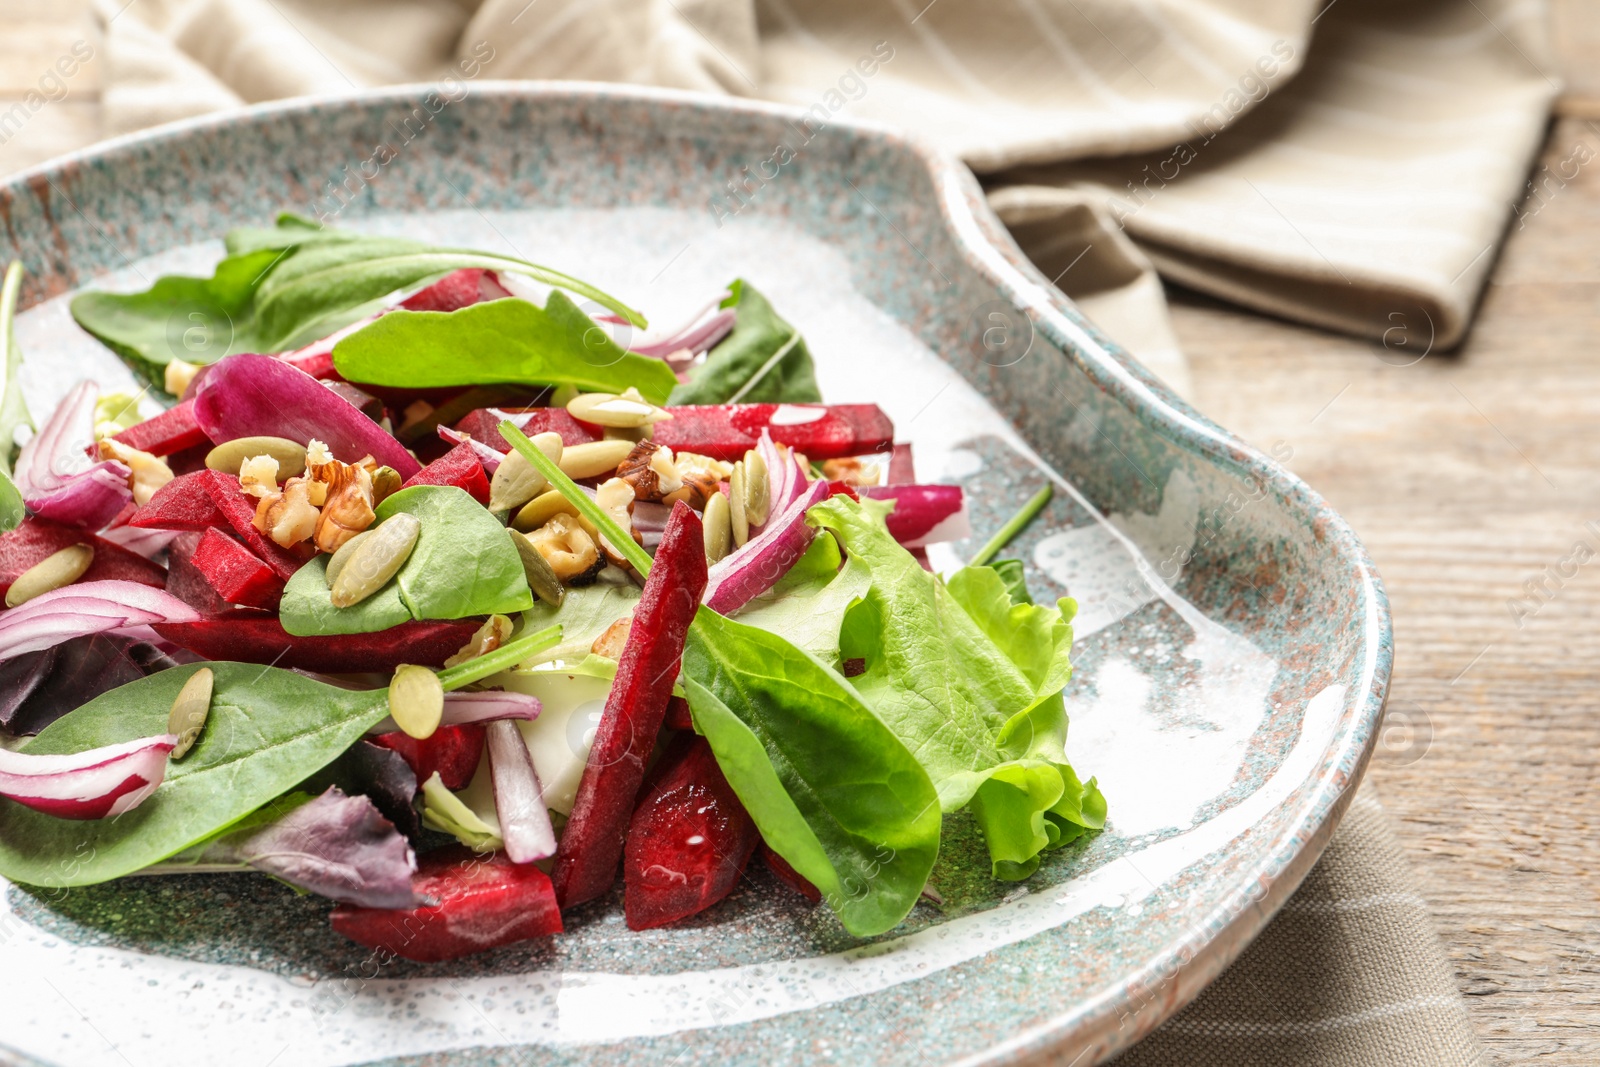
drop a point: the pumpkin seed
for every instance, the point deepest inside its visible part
(542, 578)
(190, 710)
(54, 571)
(386, 482)
(376, 560)
(541, 509)
(337, 561)
(594, 458)
(757, 494)
(717, 526)
(516, 481)
(736, 512)
(230, 455)
(609, 409)
(416, 700)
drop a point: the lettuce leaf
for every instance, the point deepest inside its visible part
(970, 680)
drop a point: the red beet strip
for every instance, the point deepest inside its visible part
(689, 839)
(459, 467)
(483, 902)
(264, 640)
(35, 539)
(591, 845)
(452, 751)
(821, 431)
(236, 574)
(483, 424)
(171, 431)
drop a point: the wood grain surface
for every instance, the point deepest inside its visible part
(1473, 476)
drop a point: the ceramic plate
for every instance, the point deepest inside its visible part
(1233, 641)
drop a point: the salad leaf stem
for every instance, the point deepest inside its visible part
(1014, 526)
(503, 658)
(618, 538)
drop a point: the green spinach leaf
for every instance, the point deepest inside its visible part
(585, 613)
(463, 564)
(266, 731)
(499, 341)
(281, 288)
(831, 789)
(971, 682)
(764, 359)
(307, 610)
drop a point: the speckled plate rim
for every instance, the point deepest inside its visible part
(1182, 968)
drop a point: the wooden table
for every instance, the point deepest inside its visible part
(1470, 475)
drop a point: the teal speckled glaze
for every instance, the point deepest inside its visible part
(1233, 640)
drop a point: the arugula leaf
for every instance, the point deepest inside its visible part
(463, 563)
(281, 288)
(499, 341)
(307, 610)
(764, 359)
(971, 682)
(13, 408)
(266, 731)
(831, 789)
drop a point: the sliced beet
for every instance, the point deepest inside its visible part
(174, 430)
(237, 574)
(678, 717)
(483, 902)
(185, 503)
(821, 431)
(35, 539)
(591, 844)
(484, 425)
(190, 459)
(689, 839)
(263, 640)
(456, 290)
(452, 751)
(459, 467)
(789, 876)
(188, 584)
(902, 466)
(210, 499)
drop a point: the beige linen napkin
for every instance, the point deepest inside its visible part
(1350, 163)
(1348, 974)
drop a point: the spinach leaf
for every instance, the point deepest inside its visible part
(463, 564)
(13, 409)
(266, 731)
(764, 359)
(510, 341)
(831, 789)
(307, 610)
(971, 682)
(281, 288)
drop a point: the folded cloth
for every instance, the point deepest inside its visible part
(1359, 179)
(1349, 972)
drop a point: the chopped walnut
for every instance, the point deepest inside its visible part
(495, 631)
(258, 476)
(347, 507)
(650, 470)
(149, 472)
(568, 548)
(851, 471)
(611, 643)
(288, 516)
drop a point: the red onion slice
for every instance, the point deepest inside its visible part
(84, 609)
(250, 396)
(87, 785)
(698, 336)
(755, 568)
(924, 514)
(146, 543)
(490, 457)
(461, 708)
(518, 797)
(54, 473)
